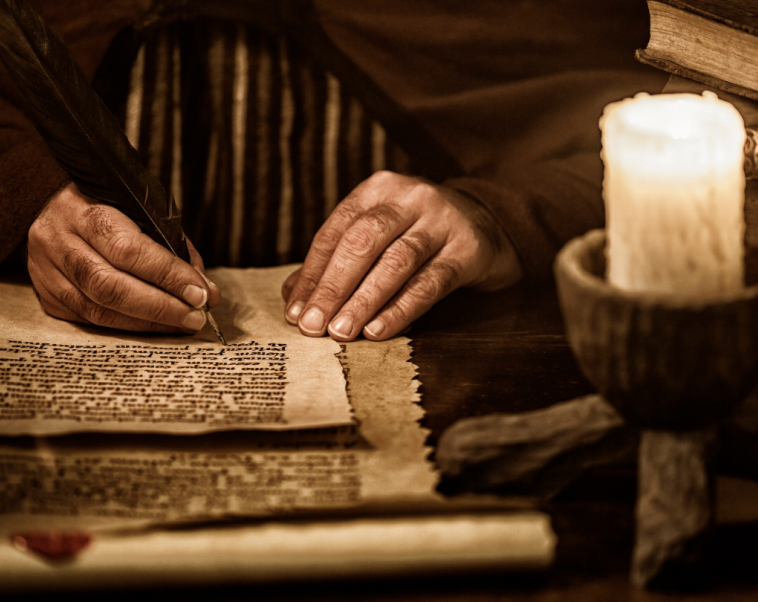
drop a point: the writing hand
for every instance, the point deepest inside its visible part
(90, 263)
(393, 248)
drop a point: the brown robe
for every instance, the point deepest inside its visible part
(511, 89)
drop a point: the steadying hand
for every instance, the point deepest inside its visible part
(393, 248)
(90, 263)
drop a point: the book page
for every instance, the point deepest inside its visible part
(58, 377)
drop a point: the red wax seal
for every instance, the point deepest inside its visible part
(52, 545)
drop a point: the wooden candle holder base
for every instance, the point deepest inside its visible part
(675, 506)
(674, 366)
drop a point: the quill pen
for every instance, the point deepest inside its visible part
(81, 132)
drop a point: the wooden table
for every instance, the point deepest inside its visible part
(506, 352)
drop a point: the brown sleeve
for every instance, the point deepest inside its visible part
(28, 173)
(556, 204)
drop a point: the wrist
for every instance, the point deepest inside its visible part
(499, 261)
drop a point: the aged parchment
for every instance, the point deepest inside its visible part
(57, 377)
(127, 479)
(113, 480)
(282, 552)
(126, 488)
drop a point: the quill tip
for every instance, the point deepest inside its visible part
(213, 323)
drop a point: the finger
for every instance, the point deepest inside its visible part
(111, 289)
(65, 302)
(320, 252)
(396, 265)
(436, 279)
(108, 318)
(287, 287)
(196, 261)
(121, 243)
(370, 234)
(49, 302)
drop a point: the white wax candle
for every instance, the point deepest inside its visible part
(674, 191)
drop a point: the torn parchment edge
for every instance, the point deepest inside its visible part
(384, 393)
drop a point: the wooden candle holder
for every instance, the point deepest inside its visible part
(664, 361)
(674, 366)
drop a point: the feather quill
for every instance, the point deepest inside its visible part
(80, 130)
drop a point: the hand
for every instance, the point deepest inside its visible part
(393, 248)
(90, 263)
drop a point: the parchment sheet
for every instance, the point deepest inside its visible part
(57, 377)
(116, 481)
(280, 552)
(119, 478)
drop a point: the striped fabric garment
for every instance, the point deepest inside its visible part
(254, 139)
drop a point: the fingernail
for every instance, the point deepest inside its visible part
(293, 312)
(194, 295)
(341, 326)
(312, 321)
(194, 320)
(375, 327)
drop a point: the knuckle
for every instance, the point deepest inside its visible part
(326, 240)
(105, 288)
(383, 178)
(420, 192)
(420, 243)
(100, 315)
(359, 242)
(42, 233)
(78, 266)
(382, 217)
(363, 303)
(426, 290)
(396, 260)
(76, 302)
(409, 253)
(349, 208)
(401, 310)
(36, 233)
(328, 292)
(124, 250)
(439, 279)
(166, 272)
(97, 221)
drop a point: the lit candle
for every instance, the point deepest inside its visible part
(674, 192)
